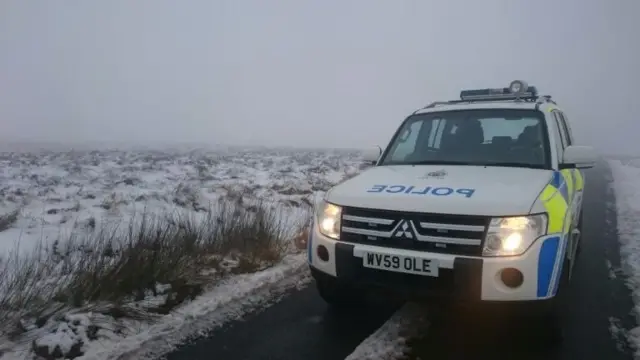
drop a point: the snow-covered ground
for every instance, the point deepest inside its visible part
(55, 192)
(47, 195)
(390, 341)
(626, 185)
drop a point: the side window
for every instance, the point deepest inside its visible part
(565, 126)
(408, 141)
(561, 130)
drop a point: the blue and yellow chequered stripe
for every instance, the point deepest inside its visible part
(556, 197)
(579, 179)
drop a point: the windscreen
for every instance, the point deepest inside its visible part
(500, 137)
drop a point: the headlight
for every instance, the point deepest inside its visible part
(328, 219)
(509, 236)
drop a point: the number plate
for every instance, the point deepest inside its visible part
(398, 263)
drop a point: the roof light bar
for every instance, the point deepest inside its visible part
(518, 89)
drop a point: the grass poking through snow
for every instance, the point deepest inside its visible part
(7, 220)
(141, 268)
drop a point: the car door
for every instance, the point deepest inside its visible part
(574, 191)
(576, 174)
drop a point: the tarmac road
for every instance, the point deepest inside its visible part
(301, 327)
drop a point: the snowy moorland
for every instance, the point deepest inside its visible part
(109, 254)
(103, 250)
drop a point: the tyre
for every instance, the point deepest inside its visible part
(579, 227)
(339, 296)
(554, 312)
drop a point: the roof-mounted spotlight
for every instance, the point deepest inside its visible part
(518, 87)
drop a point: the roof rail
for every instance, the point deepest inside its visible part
(436, 103)
(470, 101)
(517, 91)
(545, 98)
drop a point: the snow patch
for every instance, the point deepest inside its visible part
(618, 333)
(390, 340)
(626, 184)
(230, 300)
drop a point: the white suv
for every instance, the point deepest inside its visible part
(477, 199)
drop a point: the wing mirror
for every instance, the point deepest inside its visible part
(578, 157)
(372, 155)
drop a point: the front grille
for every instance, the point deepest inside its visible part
(451, 234)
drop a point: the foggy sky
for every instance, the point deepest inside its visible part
(304, 73)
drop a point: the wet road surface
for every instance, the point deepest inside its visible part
(302, 327)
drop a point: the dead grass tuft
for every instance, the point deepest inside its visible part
(168, 257)
(7, 220)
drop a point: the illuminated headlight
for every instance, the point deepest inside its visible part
(328, 219)
(509, 236)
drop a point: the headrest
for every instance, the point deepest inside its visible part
(501, 140)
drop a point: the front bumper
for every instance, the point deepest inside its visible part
(461, 278)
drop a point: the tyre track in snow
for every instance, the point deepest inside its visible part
(302, 327)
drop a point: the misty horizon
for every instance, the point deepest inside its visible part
(303, 74)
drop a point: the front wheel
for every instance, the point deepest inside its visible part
(339, 296)
(579, 227)
(554, 311)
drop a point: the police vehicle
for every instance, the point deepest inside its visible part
(473, 200)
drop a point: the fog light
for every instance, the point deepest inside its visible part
(511, 277)
(322, 252)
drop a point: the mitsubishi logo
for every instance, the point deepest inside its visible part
(438, 174)
(404, 229)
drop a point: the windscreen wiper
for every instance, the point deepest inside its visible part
(467, 163)
(439, 162)
(512, 164)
